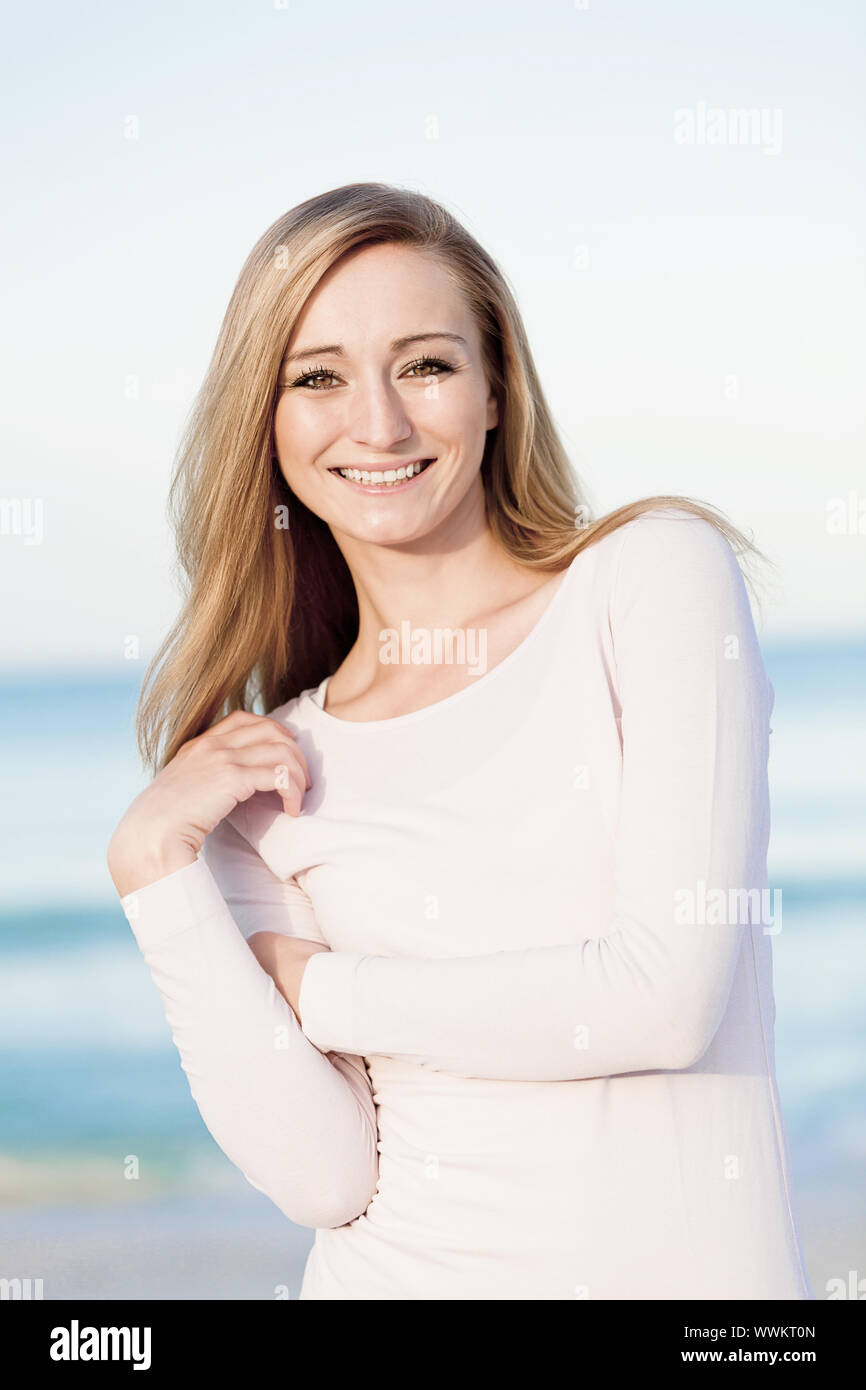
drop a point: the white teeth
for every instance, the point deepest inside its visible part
(388, 478)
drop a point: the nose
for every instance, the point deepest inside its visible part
(377, 414)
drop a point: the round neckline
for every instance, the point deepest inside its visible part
(448, 701)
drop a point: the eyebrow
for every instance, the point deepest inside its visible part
(337, 350)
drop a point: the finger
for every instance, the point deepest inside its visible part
(248, 777)
(301, 760)
(288, 777)
(240, 725)
(266, 731)
(289, 752)
(273, 750)
(237, 734)
(238, 719)
(270, 752)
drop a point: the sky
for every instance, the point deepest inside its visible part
(693, 289)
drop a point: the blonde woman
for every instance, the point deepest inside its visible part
(462, 942)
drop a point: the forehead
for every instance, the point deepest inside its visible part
(384, 291)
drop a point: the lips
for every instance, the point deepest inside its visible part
(385, 478)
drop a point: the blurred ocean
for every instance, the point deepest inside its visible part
(90, 1078)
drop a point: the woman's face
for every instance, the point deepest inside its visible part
(384, 371)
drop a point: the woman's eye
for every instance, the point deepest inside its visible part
(425, 364)
(311, 379)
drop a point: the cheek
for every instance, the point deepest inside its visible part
(302, 431)
(452, 414)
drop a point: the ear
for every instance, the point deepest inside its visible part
(492, 412)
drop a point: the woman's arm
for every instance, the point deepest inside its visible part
(300, 1126)
(650, 991)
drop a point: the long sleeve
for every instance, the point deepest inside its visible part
(300, 1126)
(649, 989)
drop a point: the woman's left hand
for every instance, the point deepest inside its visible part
(284, 958)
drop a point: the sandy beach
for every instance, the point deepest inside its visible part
(236, 1245)
(181, 1247)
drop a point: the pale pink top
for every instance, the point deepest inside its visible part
(537, 1062)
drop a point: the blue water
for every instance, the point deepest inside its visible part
(89, 1067)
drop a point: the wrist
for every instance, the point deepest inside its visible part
(135, 867)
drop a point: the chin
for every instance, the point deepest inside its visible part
(381, 531)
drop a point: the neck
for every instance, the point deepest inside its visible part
(443, 582)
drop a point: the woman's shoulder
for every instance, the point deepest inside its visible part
(670, 524)
(668, 546)
(660, 552)
(674, 568)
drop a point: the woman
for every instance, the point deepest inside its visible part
(473, 973)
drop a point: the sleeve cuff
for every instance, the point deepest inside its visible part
(327, 1000)
(172, 904)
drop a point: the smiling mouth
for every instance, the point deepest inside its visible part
(385, 478)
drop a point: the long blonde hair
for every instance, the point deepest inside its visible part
(271, 610)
